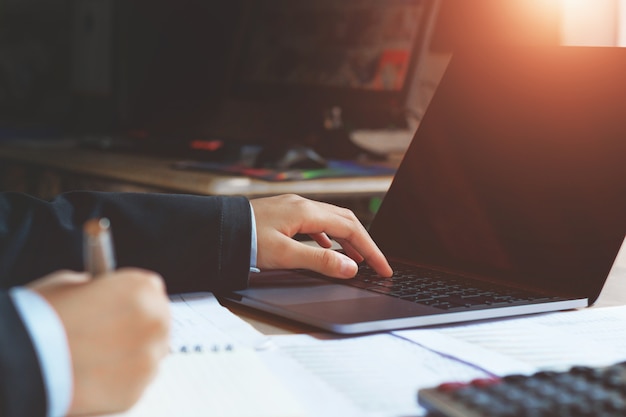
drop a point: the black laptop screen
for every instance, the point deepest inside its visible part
(517, 170)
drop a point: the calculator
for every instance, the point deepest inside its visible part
(580, 391)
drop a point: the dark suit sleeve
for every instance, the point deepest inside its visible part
(21, 383)
(195, 242)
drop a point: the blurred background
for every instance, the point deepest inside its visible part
(209, 80)
(90, 66)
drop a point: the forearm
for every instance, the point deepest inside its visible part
(195, 242)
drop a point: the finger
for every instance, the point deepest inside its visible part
(321, 239)
(343, 226)
(350, 251)
(325, 261)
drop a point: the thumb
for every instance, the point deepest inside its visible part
(325, 261)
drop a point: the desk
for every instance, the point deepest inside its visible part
(46, 170)
(148, 173)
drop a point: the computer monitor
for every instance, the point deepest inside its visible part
(301, 65)
(246, 72)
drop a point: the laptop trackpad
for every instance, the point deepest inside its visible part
(302, 289)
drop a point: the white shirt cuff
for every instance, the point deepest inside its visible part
(50, 342)
(253, 244)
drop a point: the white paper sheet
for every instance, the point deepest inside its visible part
(198, 319)
(216, 384)
(378, 374)
(593, 337)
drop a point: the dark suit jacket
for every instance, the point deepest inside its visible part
(196, 243)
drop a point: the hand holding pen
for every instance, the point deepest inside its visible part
(116, 329)
(98, 253)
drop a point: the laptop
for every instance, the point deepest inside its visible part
(511, 198)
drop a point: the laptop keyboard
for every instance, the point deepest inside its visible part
(439, 289)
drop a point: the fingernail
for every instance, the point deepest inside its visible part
(348, 267)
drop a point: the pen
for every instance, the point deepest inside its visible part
(98, 254)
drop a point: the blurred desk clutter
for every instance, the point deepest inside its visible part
(45, 168)
(331, 169)
(278, 162)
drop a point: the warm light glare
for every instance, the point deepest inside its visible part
(579, 6)
(590, 22)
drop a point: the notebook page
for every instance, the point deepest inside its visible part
(215, 384)
(199, 320)
(213, 368)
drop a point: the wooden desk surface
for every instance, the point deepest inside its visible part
(156, 172)
(613, 294)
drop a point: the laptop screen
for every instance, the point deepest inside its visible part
(517, 169)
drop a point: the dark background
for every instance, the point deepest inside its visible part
(167, 67)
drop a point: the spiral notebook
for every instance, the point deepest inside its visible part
(213, 368)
